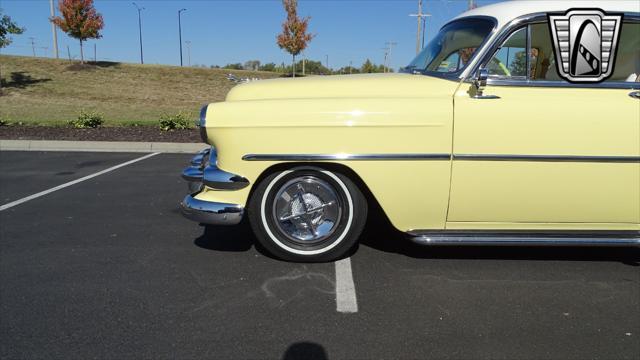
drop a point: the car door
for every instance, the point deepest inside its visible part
(542, 153)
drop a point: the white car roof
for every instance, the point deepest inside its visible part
(506, 11)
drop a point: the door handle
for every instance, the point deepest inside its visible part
(635, 94)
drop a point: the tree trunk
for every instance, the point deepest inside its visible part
(294, 65)
(81, 53)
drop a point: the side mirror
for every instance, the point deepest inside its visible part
(480, 82)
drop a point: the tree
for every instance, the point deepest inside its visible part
(235, 66)
(268, 67)
(80, 20)
(252, 65)
(7, 26)
(294, 37)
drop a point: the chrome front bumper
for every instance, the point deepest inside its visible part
(202, 172)
(212, 213)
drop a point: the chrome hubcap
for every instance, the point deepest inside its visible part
(307, 209)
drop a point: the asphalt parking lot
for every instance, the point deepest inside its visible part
(108, 268)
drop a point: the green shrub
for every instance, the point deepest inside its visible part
(177, 121)
(4, 122)
(87, 119)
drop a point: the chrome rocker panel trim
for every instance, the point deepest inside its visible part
(211, 213)
(200, 173)
(616, 239)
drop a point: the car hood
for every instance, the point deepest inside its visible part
(343, 86)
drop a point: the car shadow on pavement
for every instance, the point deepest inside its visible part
(305, 350)
(379, 234)
(236, 238)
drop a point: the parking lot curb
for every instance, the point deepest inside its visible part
(99, 146)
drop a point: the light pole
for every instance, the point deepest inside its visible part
(180, 32)
(140, 30)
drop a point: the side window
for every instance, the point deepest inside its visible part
(541, 58)
(543, 65)
(509, 61)
(627, 66)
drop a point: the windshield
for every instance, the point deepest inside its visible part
(453, 47)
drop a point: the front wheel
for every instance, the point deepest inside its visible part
(307, 214)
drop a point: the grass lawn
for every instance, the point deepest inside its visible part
(41, 91)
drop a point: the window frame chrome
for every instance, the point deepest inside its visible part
(526, 21)
(457, 75)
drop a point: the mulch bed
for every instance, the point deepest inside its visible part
(122, 133)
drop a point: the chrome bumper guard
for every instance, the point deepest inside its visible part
(211, 213)
(204, 171)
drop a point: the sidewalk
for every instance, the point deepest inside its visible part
(100, 146)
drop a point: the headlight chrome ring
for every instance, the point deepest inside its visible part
(202, 124)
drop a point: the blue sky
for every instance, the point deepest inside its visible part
(232, 31)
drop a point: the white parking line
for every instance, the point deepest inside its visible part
(49, 191)
(346, 301)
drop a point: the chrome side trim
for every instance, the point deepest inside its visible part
(625, 239)
(346, 157)
(405, 157)
(212, 213)
(547, 158)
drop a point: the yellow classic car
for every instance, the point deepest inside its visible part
(481, 140)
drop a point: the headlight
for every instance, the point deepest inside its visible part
(203, 124)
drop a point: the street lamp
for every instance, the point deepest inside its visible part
(139, 29)
(180, 32)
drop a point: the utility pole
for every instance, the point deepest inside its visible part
(386, 55)
(180, 32)
(472, 4)
(33, 46)
(350, 67)
(54, 30)
(140, 30)
(422, 22)
(188, 52)
(327, 61)
(390, 45)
